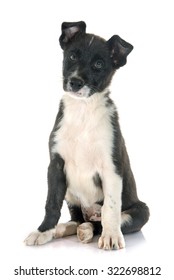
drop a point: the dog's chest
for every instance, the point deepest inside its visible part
(84, 141)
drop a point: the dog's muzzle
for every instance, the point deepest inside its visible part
(76, 84)
(77, 88)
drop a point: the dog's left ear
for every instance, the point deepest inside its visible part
(119, 50)
(70, 31)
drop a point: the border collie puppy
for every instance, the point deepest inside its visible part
(89, 165)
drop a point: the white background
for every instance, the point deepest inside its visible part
(30, 90)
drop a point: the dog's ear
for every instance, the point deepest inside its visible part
(70, 31)
(119, 50)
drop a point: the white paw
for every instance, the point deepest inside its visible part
(111, 241)
(39, 238)
(85, 232)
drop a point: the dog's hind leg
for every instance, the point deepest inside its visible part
(134, 218)
(77, 225)
(85, 232)
(66, 229)
(70, 228)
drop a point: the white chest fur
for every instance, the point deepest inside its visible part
(84, 140)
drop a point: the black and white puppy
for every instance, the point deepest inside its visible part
(89, 165)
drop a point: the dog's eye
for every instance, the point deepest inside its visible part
(99, 64)
(73, 57)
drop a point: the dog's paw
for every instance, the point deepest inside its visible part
(39, 238)
(111, 241)
(85, 232)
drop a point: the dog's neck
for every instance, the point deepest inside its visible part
(95, 98)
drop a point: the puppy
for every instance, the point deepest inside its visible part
(89, 165)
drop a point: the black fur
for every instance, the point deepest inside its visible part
(56, 193)
(110, 55)
(97, 63)
(76, 213)
(97, 180)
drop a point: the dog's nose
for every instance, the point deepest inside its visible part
(76, 84)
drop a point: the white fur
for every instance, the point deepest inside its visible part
(66, 229)
(85, 232)
(40, 238)
(112, 237)
(111, 240)
(92, 39)
(61, 230)
(85, 142)
(125, 219)
(81, 94)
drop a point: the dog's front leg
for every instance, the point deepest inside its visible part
(55, 197)
(112, 237)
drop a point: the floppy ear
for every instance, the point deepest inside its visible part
(119, 50)
(70, 30)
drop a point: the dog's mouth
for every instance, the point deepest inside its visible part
(77, 93)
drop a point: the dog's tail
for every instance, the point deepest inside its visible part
(134, 218)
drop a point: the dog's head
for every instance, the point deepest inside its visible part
(89, 61)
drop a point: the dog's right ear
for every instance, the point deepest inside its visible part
(70, 31)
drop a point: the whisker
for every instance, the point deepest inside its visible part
(93, 88)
